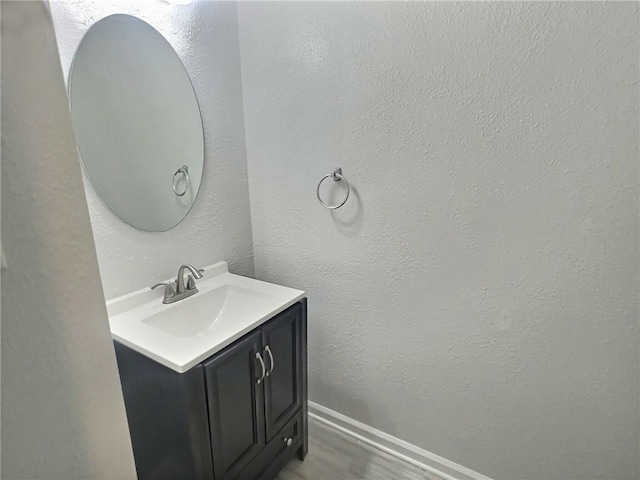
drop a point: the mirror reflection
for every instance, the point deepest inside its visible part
(137, 122)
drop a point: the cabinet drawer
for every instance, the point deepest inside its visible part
(276, 453)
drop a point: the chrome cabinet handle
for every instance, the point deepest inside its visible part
(288, 441)
(264, 370)
(268, 350)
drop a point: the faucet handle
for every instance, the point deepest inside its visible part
(191, 283)
(169, 291)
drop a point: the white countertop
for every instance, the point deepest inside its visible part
(182, 334)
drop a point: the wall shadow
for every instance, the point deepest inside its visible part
(350, 217)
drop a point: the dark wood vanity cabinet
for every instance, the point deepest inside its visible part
(236, 406)
(282, 341)
(241, 414)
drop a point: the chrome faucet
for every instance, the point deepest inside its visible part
(177, 290)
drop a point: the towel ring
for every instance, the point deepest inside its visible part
(184, 170)
(336, 176)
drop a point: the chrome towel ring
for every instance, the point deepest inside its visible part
(336, 176)
(184, 170)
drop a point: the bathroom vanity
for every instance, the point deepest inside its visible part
(213, 369)
(238, 413)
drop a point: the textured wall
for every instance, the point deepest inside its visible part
(478, 294)
(62, 411)
(219, 225)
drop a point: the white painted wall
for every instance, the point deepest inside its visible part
(205, 36)
(63, 416)
(478, 294)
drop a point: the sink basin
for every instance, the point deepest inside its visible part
(204, 309)
(182, 334)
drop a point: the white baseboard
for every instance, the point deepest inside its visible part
(394, 446)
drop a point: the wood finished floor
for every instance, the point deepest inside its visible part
(334, 455)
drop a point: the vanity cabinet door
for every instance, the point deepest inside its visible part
(282, 344)
(236, 406)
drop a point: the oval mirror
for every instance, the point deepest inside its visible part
(137, 122)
